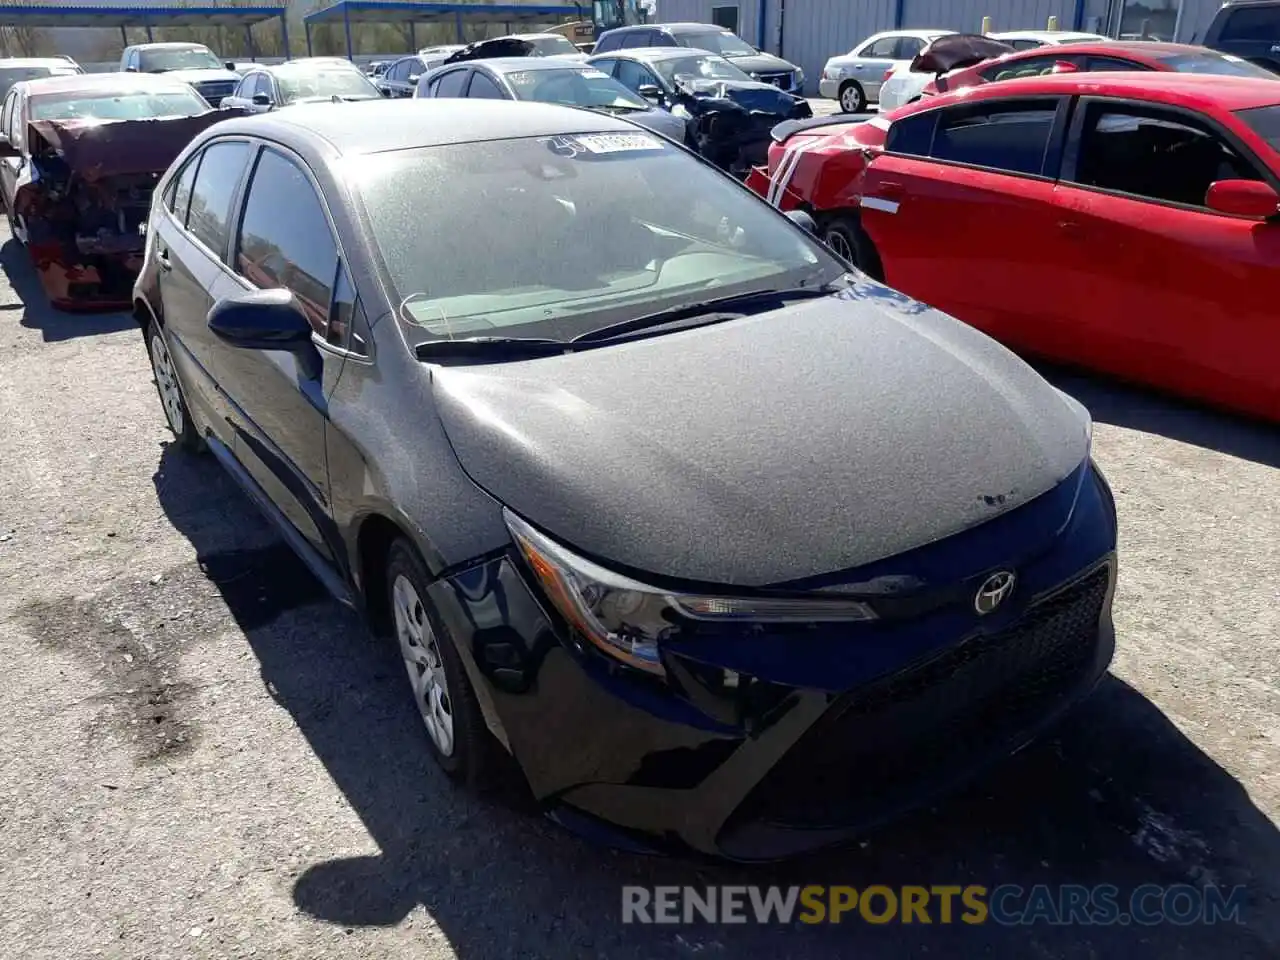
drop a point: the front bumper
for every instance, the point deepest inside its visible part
(747, 753)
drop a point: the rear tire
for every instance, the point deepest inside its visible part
(846, 237)
(172, 400)
(853, 99)
(455, 726)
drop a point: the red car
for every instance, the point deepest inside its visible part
(1124, 222)
(1109, 56)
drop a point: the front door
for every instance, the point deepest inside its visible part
(279, 408)
(190, 251)
(957, 205)
(1160, 288)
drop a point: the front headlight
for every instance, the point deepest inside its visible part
(799, 77)
(630, 620)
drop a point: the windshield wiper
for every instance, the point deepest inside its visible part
(710, 311)
(490, 347)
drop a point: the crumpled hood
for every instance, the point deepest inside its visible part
(803, 441)
(750, 95)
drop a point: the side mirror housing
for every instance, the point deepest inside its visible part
(1243, 198)
(261, 100)
(803, 221)
(230, 65)
(131, 69)
(651, 92)
(413, 79)
(266, 320)
(1065, 66)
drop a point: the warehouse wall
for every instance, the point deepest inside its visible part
(699, 11)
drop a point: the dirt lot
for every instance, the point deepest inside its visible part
(203, 756)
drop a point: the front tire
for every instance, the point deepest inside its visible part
(455, 726)
(169, 388)
(853, 99)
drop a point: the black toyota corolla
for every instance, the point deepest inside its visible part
(729, 548)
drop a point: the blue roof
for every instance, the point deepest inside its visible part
(96, 13)
(404, 11)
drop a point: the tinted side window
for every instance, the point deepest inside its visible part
(660, 38)
(451, 84)
(1110, 63)
(220, 171)
(610, 41)
(912, 135)
(908, 47)
(641, 38)
(179, 196)
(632, 75)
(482, 88)
(1155, 154)
(1256, 23)
(1012, 137)
(1024, 67)
(605, 66)
(1024, 44)
(285, 239)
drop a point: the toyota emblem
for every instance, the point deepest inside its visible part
(993, 592)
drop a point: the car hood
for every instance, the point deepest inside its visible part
(750, 95)
(957, 50)
(202, 75)
(761, 63)
(757, 451)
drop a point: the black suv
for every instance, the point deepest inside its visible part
(707, 36)
(1248, 29)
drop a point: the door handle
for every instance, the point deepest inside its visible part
(163, 261)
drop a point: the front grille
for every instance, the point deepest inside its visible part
(782, 80)
(882, 747)
(215, 90)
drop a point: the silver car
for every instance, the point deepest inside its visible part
(854, 78)
(267, 88)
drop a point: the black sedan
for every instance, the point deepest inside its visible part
(729, 114)
(549, 80)
(726, 546)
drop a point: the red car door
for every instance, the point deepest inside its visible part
(1159, 288)
(953, 202)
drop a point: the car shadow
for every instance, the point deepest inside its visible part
(39, 314)
(1118, 795)
(1137, 408)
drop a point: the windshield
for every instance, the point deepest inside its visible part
(699, 68)
(187, 58)
(328, 82)
(576, 87)
(722, 42)
(552, 46)
(1219, 63)
(1265, 122)
(119, 106)
(11, 75)
(570, 233)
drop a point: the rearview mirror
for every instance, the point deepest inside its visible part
(650, 91)
(266, 320)
(803, 221)
(1243, 198)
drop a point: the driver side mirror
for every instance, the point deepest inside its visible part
(651, 92)
(131, 69)
(1065, 66)
(413, 79)
(267, 320)
(261, 100)
(1243, 198)
(803, 221)
(230, 65)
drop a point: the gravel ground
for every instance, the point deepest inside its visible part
(203, 756)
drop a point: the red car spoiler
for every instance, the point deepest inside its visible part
(95, 149)
(789, 128)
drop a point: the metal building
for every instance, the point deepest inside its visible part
(807, 32)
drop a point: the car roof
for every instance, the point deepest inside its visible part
(923, 34)
(91, 82)
(654, 53)
(524, 64)
(1196, 90)
(169, 45)
(1046, 35)
(529, 36)
(410, 122)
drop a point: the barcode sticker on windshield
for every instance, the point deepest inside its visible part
(618, 142)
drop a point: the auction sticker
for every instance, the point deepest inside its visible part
(618, 142)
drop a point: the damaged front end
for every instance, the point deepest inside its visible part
(86, 193)
(729, 123)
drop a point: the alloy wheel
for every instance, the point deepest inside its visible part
(421, 652)
(851, 98)
(167, 383)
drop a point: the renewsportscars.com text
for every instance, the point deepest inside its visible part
(1007, 904)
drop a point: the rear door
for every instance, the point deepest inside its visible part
(1159, 288)
(191, 251)
(958, 206)
(285, 239)
(873, 61)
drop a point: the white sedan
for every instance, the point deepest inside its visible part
(904, 85)
(854, 78)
